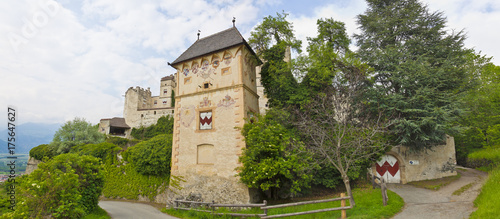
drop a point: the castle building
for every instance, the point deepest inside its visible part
(141, 109)
(216, 91)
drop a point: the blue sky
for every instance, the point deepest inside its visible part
(62, 59)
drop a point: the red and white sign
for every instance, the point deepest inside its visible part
(388, 168)
(205, 120)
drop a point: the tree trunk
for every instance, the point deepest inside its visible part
(348, 189)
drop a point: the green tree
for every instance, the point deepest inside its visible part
(338, 129)
(482, 112)
(152, 157)
(68, 186)
(75, 132)
(41, 151)
(271, 39)
(327, 56)
(274, 158)
(273, 31)
(419, 68)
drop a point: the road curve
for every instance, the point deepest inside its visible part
(442, 204)
(130, 210)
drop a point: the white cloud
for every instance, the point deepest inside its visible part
(58, 61)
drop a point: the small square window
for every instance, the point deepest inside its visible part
(206, 85)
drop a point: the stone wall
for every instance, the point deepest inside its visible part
(142, 109)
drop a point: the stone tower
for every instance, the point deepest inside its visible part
(216, 91)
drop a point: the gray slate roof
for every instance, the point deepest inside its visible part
(213, 43)
(118, 122)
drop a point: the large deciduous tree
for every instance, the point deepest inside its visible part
(274, 159)
(419, 68)
(481, 120)
(271, 39)
(337, 128)
(75, 132)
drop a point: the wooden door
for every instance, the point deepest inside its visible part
(388, 168)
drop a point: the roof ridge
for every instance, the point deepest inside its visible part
(222, 31)
(211, 43)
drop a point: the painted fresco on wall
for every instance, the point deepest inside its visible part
(187, 115)
(195, 68)
(205, 102)
(226, 102)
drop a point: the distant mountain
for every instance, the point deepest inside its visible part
(29, 135)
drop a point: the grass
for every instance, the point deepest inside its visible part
(488, 203)
(368, 205)
(436, 184)
(463, 189)
(98, 213)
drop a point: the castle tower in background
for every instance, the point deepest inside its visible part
(216, 90)
(143, 109)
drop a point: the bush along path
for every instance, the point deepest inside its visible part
(454, 200)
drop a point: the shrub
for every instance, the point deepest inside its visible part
(272, 159)
(103, 150)
(122, 142)
(151, 157)
(41, 151)
(488, 157)
(68, 186)
(164, 125)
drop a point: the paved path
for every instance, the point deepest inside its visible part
(427, 204)
(130, 210)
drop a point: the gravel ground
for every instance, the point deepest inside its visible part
(424, 203)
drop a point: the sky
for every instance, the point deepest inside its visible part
(65, 59)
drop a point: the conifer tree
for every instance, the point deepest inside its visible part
(419, 68)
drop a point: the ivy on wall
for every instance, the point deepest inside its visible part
(122, 181)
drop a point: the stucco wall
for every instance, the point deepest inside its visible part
(207, 159)
(432, 163)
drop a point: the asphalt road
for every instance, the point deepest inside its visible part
(442, 204)
(130, 210)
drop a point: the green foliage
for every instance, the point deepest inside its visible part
(74, 133)
(273, 31)
(277, 78)
(41, 151)
(328, 176)
(164, 125)
(271, 39)
(481, 119)
(122, 142)
(369, 206)
(105, 151)
(123, 181)
(152, 157)
(487, 202)
(274, 156)
(172, 96)
(419, 68)
(488, 157)
(68, 186)
(98, 213)
(468, 141)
